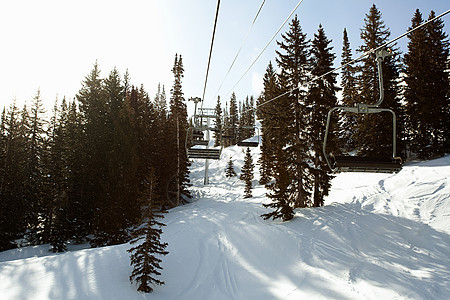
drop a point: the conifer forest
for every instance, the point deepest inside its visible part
(110, 162)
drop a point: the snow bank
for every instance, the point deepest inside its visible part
(379, 236)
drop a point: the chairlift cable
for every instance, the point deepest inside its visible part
(243, 42)
(210, 50)
(265, 47)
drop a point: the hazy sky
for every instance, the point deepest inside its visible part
(52, 45)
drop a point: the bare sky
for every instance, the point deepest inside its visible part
(52, 45)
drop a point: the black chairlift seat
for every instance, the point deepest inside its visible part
(197, 135)
(200, 142)
(196, 153)
(247, 144)
(366, 164)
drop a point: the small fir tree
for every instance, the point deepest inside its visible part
(229, 171)
(218, 123)
(247, 174)
(143, 257)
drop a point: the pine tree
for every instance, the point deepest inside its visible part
(374, 136)
(349, 95)
(427, 87)
(295, 64)
(34, 186)
(14, 209)
(321, 98)
(231, 129)
(229, 171)
(144, 257)
(218, 123)
(247, 174)
(440, 93)
(57, 225)
(178, 125)
(78, 212)
(95, 144)
(269, 116)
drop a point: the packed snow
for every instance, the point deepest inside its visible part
(379, 236)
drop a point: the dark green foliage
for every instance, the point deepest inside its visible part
(80, 176)
(218, 123)
(144, 256)
(247, 173)
(231, 122)
(270, 118)
(281, 191)
(295, 64)
(14, 209)
(427, 88)
(34, 189)
(286, 126)
(350, 97)
(247, 120)
(177, 129)
(321, 98)
(229, 171)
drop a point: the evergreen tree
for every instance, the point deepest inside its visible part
(268, 114)
(440, 93)
(14, 209)
(78, 212)
(295, 64)
(178, 125)
(349, 122)
(229, 171)
(321, 98)
(95, 144)
(426, 91)
(57, 225)
(231, 128)
(247, 120)
(144, 257)
(374, 136)
(247, 174)
(218, 123)
(34, 186)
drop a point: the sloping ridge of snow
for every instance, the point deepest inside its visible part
(380, 236)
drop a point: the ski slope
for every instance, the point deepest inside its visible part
(379, 236)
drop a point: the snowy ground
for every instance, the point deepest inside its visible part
(379, 236)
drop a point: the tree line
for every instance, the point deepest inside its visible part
(416, 87)
(79, 176)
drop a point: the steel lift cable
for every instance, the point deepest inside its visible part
(265, 47)
(242, 45)
(210, 50)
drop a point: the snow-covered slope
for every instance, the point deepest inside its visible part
(379, 236)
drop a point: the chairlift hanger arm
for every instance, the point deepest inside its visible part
(380, 54)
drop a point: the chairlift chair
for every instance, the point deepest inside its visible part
(249, 143)
(196, 134)
(242, 143)
(375, 164)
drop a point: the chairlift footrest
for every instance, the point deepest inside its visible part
(248, 144)
(204, 153)
(366, 164)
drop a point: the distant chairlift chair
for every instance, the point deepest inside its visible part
(196, 136)
(346, 163)
(249, 143)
